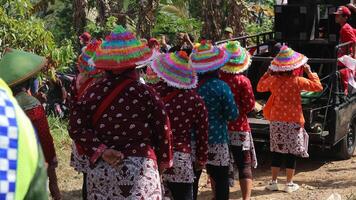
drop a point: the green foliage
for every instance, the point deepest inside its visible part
(60, 20)
(63, 56)
(261, 19)
(170, 24)
(99, 31)
(18, 8)
(255, 28)
(59, 131)
(29, 35)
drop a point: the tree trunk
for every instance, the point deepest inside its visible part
(237, 20)
(103, 11)
(213, 18)
(146, 17)
(79, 16)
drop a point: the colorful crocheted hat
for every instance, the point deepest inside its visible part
(84, 64)
(206, 57)
(240, 58)
(150, 76)
(121, 50)
(287, 60)
(173, 68)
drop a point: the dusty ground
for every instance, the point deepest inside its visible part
(319, 177)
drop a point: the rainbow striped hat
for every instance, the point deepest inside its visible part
(150, 76)
(121, 50)
(173, 68)
(287, 60)
(84, 64)
(240, 58)
(206, 57)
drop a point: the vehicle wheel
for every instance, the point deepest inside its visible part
(346, 147)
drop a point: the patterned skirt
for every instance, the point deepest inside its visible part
(182, 170)
(289, 138)
(245, 140)
(135, 179)
(80, 163)
(218, 155)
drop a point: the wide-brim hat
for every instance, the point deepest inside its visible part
(174, 69)
(18, 66)
(121, 50)
(240, 58)
(206, 57)
(150, 76)
(84, 65)
(287, 60)
(148, 61)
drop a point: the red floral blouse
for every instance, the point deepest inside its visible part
(135, 123)
(187, 112)
(243, 94)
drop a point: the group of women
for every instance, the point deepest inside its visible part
(151, 140)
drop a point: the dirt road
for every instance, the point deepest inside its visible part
(319, 177)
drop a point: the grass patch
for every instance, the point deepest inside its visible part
(59, 131)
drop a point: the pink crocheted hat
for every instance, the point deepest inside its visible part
(287, 60)
(206, 57)
(173, 68)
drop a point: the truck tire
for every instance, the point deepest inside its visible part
(346, 147)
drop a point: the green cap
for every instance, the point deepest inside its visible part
(17, 66)
(229, 29)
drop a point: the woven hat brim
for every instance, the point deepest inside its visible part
(237, 69)
(117, 65)
(210, 66)
(290, 67)
(172, 81)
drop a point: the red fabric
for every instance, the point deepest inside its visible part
(187, 112)
(347, 34)
(108, 100)
(135, 123)
(243, 94)
(38, 118)
(85, 36)
(343, 10)
(298, 72)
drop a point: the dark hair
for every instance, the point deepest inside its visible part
(287, 73)
(20, 87)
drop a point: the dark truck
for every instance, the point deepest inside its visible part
(330, 115)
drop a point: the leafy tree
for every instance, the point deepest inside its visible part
(23, 31)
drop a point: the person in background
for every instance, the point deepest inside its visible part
(22, 163)
(241, 142)
(122, 125)
(186, 111)
(23, 66)
(185, 42)
(87, 76)
(228, 33)
(84, 39)
(165, 47)
(347, 34)
(206, 59)
(288, 138)
(154, 44)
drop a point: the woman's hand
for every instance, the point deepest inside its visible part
(307, 69)
(112, 157)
